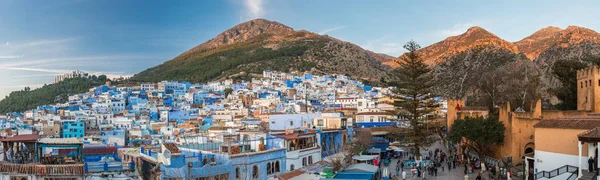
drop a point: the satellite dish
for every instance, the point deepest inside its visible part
(167, 154)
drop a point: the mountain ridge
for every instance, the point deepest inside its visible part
(259, 44)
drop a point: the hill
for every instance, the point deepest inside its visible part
(258, 45)
(26, 99)
(454, 45)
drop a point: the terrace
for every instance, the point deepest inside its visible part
(24, 154)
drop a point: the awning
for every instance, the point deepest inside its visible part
(592, 135)
(361, 167)
(364, 157)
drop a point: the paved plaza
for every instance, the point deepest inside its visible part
(457, 173)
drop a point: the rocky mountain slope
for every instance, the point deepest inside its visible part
(258, 45)
(451, 46)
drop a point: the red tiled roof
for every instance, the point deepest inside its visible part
(575, 123)
(100, 150)
(291, 174)
(590, 136)
(172, 147)
(22, 138)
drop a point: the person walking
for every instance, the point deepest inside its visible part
(478, 177)
(403, 175)
(402, 166)
(466, 169)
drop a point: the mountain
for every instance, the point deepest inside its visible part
(538, 42)
(546, 38)
(451, 46)
(258, 45)
(552, 44)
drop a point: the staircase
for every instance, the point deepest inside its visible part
(559, 171)
(586, 175)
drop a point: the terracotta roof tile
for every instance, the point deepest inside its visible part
(291, 174)
(571, 123)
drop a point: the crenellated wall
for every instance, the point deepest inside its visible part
(519, 133)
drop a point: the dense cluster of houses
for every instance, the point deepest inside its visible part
(265, 128)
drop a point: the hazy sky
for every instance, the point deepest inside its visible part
(40, 39)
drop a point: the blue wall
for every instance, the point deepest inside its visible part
(71, 129)
(245, 163)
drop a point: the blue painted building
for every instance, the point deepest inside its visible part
(373, 124)
(268, 162)
(72, 129)
(332, 141)
(204, 164)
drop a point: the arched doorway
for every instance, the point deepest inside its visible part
(529, 152)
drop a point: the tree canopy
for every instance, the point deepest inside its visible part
(566, 72)
(19, 101)
(413, 90)
(480, 133)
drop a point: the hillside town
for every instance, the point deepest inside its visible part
(276, 126)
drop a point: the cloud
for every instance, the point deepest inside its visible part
(51, 61)
(63, 71)
(331, 29)
(10, 57)
(33, 86)
(455, 30)
(254, 8)
(47, 42)
(56, 71)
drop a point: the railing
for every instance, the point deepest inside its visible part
(595, 176)
(107, 167)
(557, 172)
(573, 176)
(40, 169)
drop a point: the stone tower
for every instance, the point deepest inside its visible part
(588, 89)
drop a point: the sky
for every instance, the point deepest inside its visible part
(41, 39)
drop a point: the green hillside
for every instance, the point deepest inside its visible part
(19, 101)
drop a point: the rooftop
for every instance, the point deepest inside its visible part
(592, 135)
(570, 123)
(60, 141)
(22, 138)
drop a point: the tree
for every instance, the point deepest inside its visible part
(102, 78)
(357, 145)
(566, 72)
(227, 91)
(414, 84)
(481, 134)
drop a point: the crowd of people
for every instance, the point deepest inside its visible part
(438, 160)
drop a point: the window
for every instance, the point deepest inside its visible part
(277, 169)
(255, 172)
(269, 170)
(310, 160)
(304, 161)
(291, 123)
(320, 122)
(291, 167)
